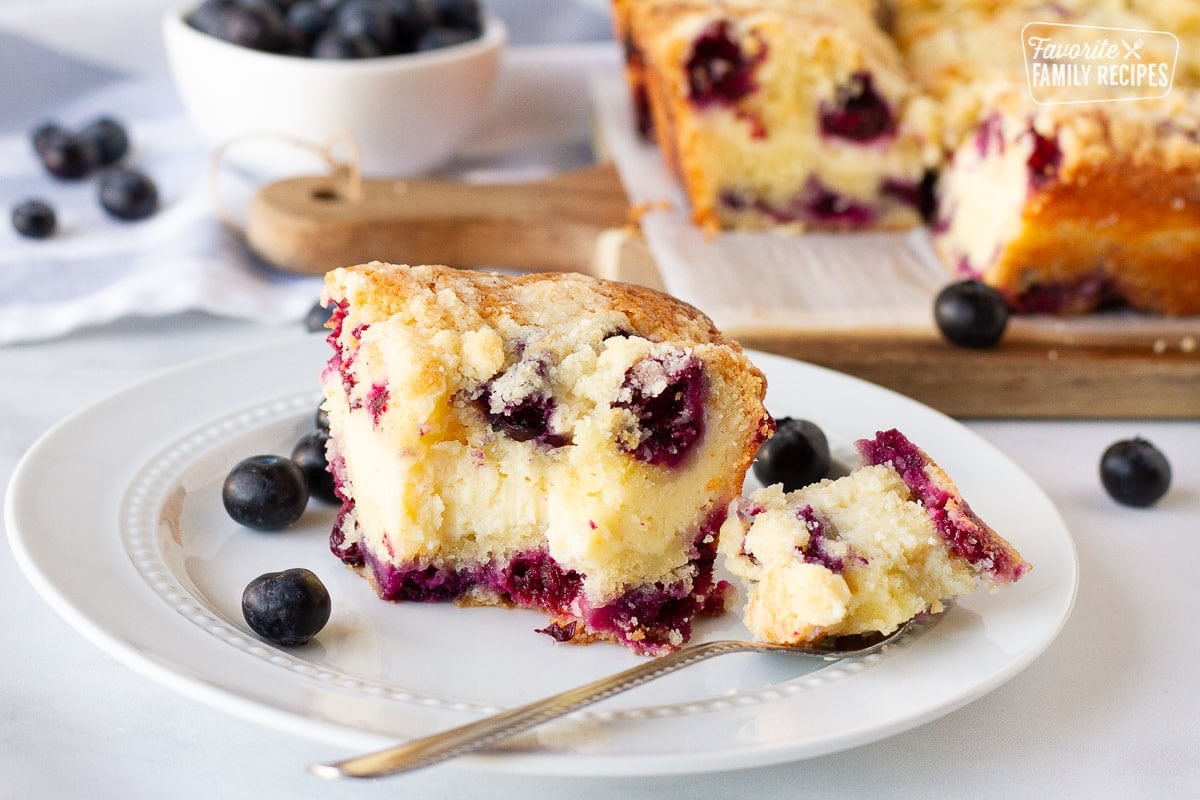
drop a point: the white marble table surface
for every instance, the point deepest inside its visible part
(1111, 709)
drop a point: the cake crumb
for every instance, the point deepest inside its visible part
(1160, 346)
(1188, 344)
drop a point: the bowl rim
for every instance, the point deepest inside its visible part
(493, 38)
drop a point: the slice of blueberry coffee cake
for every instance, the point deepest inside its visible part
(792, 113)
(861, 553)
(548, 441)
(1069, 210)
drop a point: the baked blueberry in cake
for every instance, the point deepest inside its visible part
(548, 441)
(864, 552)
(775, 113)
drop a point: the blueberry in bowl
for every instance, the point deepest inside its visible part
(250, 73)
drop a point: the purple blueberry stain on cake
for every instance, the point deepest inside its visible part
(528, 420)
(989, 136)
(536, 580)
(641, 101)
(559, 630)
(1044, 160)
(1096, 291)
(816, 204)
(657, 618)
(817, 550)
(718, 71)
(377, 402)
(920, 195)
(342, 361)
(417, 583)
(966, 534)
(649, 619)
(666, 393)
(350, 553)
(820, 205)
(517, 402)
(858, 112)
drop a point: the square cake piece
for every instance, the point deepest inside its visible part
(780, 113)
(549, 441)
(1071, 209)
(862, 553)
(1066, 207)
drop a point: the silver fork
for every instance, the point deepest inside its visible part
(486, 732)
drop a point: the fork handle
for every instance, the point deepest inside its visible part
(490, 730)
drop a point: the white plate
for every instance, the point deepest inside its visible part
(115, 515)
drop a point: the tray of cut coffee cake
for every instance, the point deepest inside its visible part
(862, 302)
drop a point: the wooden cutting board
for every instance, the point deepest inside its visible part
(583, 222)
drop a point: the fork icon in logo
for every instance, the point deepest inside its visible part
(1132, 49)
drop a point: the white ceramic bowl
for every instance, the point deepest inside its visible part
(408, 113)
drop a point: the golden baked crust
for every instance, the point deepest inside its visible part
(381, 291)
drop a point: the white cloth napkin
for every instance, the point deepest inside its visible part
(96, 269)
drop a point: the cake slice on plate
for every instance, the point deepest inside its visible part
(555, 442)
(862, 553)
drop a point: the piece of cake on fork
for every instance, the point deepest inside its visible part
(550, 441)
(862, 553)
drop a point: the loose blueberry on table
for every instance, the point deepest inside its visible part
(72, 155)
(110, 138)
(64, 154)
(128, 194)
(971, 314)
(265, 492)
(1135, 472)
(34, 219)
(796, 455)
(288, 607)
(339, 29)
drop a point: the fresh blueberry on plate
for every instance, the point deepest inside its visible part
(288, 607)
(309, 455)
(265, 492)
(796, 455)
